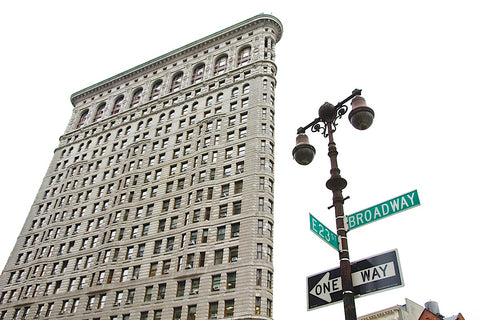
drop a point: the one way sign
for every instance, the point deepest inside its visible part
(369, 275)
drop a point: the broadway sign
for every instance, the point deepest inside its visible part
(383, 210)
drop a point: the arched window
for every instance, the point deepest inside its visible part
(176, 82)
(83, 118)
(246, 89)
(136, 98)
(244, 56)
(220, 97)
(235, 92)
(161, 118)
(220, 65)
(99, 113)
(198, 73)
(156, 90)
(209, 101)
(117, 105)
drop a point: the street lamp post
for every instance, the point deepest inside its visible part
(361, 117)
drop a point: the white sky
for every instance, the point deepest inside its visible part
(416, 61)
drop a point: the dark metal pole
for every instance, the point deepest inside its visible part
(326, 124)
(336, 183)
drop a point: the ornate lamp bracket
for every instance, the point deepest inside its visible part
(328, 115)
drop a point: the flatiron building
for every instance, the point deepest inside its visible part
(158, 201)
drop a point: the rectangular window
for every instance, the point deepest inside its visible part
(101, 301)
(258, 302)
(189, 263)
(235, 230)
(192, 312)
(177, 313)
(148, 294)
(229, 308)
(269, 229)
(177, 202)
(213, 310)
(216, 282)
(258, 277)
(162, 288)
(165, 205)
(166, 266)
(231, 280)
(228, 153)
(130, 296)
(157, 247)
(237, 207)
(170, 242)
(221, 233)
(196, 215)
(180, 183)
(227, 171)
(118, 298)
(218, 257)
(240, 166)
(180, 288)
(233, 254)
(195, 285)
(173, 222)
(201, 259)
(161, 225)
(225, 190)
(241, 150)
(238, 188)
(269, 279)
(223, 211)
(153, 269)
(150, 209)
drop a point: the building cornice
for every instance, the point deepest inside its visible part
(380, 314)
(177, 54)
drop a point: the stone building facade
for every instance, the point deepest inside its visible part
(158, 202)
(411, 311)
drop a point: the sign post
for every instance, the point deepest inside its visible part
(383, 210)
(370, 275)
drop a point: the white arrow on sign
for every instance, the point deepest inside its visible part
(326, 286)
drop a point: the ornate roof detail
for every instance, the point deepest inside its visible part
(178, 54)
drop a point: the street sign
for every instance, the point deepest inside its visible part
(383, 210)
(323, 232)
(370, 275)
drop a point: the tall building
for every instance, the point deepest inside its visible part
(158, 202)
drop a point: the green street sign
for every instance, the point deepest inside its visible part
(383, 210)
(323, 232)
